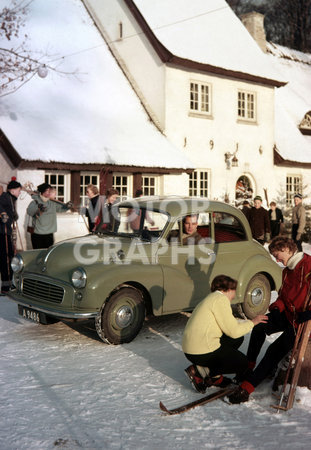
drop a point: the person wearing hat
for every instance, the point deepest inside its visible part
(43, 211)
(8, 216)
(258, 218)
(298, 221)
(276, 219)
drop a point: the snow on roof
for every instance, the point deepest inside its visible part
(94, 117)
(292, 101)
(207, 32)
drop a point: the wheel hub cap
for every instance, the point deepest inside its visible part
(257, 296)
(124, 316)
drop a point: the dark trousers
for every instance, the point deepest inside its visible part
(275, 228)
(226, 359)
(6, 254)
(275, 352)
(294, 235)
(42, 240)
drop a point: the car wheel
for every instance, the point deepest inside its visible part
(121, 316)
(257, 296)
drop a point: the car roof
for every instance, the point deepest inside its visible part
(177, 206)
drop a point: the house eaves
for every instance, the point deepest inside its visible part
(168, 58)
(281, 162)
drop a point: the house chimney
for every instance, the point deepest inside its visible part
(253, 21)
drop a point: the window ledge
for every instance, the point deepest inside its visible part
(200, 115)
(247, 121)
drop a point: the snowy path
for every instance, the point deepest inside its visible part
(63, 388)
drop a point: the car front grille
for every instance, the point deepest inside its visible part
(42, 290)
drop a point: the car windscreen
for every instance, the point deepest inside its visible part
(136, 221)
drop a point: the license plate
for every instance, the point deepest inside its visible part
(31, 314)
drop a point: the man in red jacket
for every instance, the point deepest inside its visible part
(285, 313)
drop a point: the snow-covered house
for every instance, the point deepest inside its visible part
(292, 151)
(71, 130)
(205, 83)
(161, 88)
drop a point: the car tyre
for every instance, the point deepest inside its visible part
(121, 317)
(257, 296)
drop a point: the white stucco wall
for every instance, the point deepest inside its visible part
(193, 134)
(134, 53)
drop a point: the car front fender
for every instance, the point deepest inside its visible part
(102, 280)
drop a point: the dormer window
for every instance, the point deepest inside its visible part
(305, 124)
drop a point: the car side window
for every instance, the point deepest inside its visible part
(228, 228)
(191, 229)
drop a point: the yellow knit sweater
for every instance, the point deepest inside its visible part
(209, 321)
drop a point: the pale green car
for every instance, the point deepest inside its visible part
(143, 267)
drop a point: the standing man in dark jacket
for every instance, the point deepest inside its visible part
(8, 216)
(259, 221)
(276, 218)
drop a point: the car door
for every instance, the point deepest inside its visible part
(187, 268)
(231, 244)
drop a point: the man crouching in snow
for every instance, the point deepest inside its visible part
(285, 313)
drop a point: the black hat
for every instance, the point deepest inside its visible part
(43, 187)
(13, 184)
(298, 196)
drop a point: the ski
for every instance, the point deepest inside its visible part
(202, 401)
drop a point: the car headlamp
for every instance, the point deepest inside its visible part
(78, 278)
(17, 263)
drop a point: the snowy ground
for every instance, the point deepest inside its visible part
(63, 388)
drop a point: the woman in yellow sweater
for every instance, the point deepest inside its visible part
(212, 337)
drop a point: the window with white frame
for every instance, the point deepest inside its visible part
(200, 98)
(199, 183)
(59, 181)
(86, 179)
(293, 186)
(121, 182)
(247, 105)
(150, 185)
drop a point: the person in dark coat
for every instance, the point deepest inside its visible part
(259, 221)
(276, 218)
(284, 316)
(94, 206)
(246, 208)
(8, 216)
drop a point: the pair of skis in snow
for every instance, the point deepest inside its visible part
(202, 401)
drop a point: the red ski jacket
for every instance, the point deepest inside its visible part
(294, 290)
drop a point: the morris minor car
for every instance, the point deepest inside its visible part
(145, 264)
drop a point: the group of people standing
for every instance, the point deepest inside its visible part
(266, 225)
